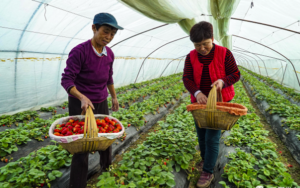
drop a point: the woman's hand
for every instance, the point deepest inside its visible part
(201, 98)
(115, 104)
(85, 102)
(219, 85)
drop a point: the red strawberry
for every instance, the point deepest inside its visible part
(3, 125)
(64, 107)
(69, 123)
(71, 120)
(6, 160)
(46, 137)
(280, 152)
(75, 129)
(77, 126)
(106, 119)
(62, 125)
(64, 131)
(69, 133)
(129, 125)
(81, 123)
(289, 165)
(42, 184)
(70, 127)
(81, 131)
(165, 163)
(57, 130)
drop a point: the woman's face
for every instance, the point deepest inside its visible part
(204, 47)
(104, 35)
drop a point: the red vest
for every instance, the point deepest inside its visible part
(216, 71)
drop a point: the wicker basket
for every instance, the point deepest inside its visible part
(90, 141)
(216, 115)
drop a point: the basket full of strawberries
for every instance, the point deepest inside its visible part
(79, 134)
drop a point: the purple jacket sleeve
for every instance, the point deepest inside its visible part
(72, 69)
(110, 78)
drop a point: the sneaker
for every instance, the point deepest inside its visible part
(199, 166)
(205, 180)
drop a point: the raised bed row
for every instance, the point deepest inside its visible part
(286, 127)
(247, 158)
(287, 93)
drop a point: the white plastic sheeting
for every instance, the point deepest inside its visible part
(36, 37)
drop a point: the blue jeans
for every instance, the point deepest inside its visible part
(209, 140)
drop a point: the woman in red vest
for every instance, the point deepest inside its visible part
(207, 65)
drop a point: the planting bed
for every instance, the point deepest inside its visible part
(279, 112)
(132, 133)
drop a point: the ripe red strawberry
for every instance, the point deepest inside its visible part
(69, 123)
(46, 137)
(64, 131)
(62, 125)
(69, 133)
(57, 130)
(165, 163)
(71, 120)
(107, 119)
(3, 125)
(75, 129)
(193, 169)
(81, 131)
(77, 126)
(6, 160)
(64, 107)
(129, 125)
(289, 165)
(42, 184)
(70, 127)
(280, 152)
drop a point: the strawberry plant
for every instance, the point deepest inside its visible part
(49, 109)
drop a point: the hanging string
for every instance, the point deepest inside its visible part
(45, 5)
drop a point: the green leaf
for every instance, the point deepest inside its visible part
(177, 167)
(161, 181)
(171, 183)
(51, 176)
(57, 173)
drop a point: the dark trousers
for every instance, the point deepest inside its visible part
(79, 166)
(209, 140)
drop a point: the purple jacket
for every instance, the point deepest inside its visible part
(88, 72)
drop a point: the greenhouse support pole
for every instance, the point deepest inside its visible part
(245, 59)
(178, 65)
(272, 50)
(284, 73)
(155, 51)
(138, 34)
(257, 57)
(169, 64)
(252, 58)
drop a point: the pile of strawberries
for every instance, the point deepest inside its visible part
(73, 127)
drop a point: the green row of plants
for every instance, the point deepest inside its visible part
(278, 104)
(10, 138)
(136, 112)
(144, 84)
(270, 82)
(8, 120)
(131, 96)
(262, 166)
(36, 169)
(169, 148)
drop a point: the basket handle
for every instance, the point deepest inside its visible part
(214, 96)
(90, 127)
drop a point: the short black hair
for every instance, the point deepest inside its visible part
(201, 31)
(98, 26)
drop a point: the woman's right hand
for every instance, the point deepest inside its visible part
(201, 98)
(85, 102)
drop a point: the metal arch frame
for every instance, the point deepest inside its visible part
(252, 58)
(178, 65)
(257, 57)
(155, 51)
(139, 34)
(272, 50)
(241, 56)
(169, 64)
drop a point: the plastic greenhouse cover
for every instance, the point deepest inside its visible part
(37, 35)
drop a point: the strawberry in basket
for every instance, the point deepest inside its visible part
(73, 127)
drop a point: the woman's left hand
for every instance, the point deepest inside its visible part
(219, 85)
(115, 104)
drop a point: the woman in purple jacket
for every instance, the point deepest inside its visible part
(86, 78)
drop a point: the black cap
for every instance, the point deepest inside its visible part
(106, 18)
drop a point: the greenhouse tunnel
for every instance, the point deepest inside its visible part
(36, 37)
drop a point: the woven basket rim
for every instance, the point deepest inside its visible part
(232, 108)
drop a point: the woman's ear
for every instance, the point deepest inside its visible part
(212, 39)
